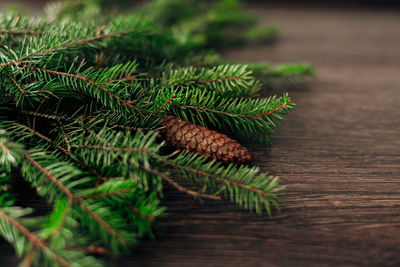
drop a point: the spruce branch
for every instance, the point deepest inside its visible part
(113, 193)
(10, 152)
(283, 75)
(23, 32)
(16, 127)
(179, 187)
(81, 106)
(86, 79)
(17, 84)
(151, 218)
(49, 176)
(112, 234)
(255, 117)
(62, 46)
(65, 210)
(240, 184)
(7, 195)
(113, 149)
(164, 177)
(38, 249)
(36, 241)
(224, 80)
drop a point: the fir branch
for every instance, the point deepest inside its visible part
(283, 75)
(46, 116)
(75, 120)
(219, 179)
(255, 117)
(179, 187)
(120, 191)
(239, 183)
(65, 138)
(235, 114)
(76, 199)
(10, 152)
(8, 196)
(33, 238)
(60, 148)
(107, 138)
(140, 213)
(113, 149)
(17, 84)
(147, 169)
(86, 79)
(66, 45)
(108, 194)
(50, 177)
(130, 128)
(134, 78)
(23, 32)
(100, 221)
(17, 126)
(126, 79)
(224, 80)
(166, 103)
(65, 215)
(269, 112)
(81, 106)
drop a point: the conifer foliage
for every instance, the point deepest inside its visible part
(84, 94)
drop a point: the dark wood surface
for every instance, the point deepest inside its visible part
(338, 155)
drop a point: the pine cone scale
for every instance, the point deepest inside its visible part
(203, 141)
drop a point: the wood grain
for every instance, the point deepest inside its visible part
(338, 155)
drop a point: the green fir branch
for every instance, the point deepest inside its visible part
(241, 184)
(255, 117)
(225, 80)
(83, 94)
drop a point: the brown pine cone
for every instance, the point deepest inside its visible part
(203, 141)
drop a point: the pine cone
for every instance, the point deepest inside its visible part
(203, 141)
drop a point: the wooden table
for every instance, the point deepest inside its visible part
(338, 155)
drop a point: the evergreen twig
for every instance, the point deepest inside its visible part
(81, 106)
